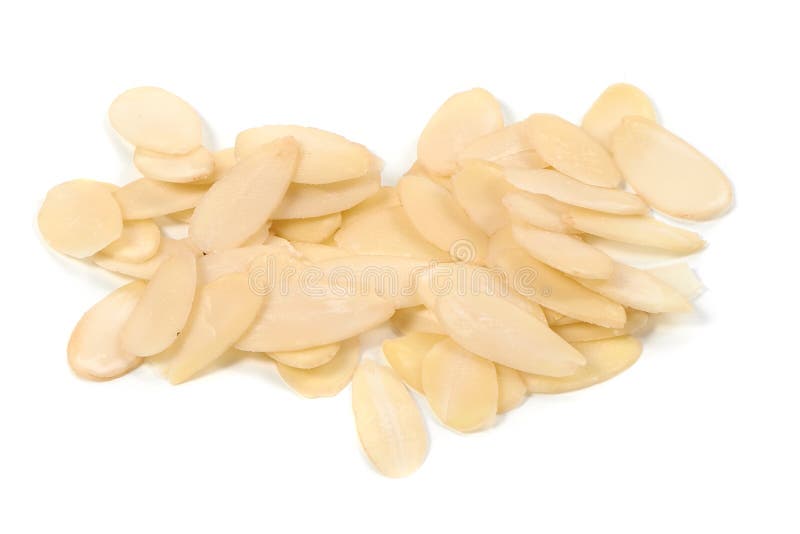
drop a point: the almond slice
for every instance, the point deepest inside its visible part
(145, 198)
(579, 332)
(328, 379)
(324, 156)
(184, 168)
(245, 198)
(614, 104)
(307, 358)
(139, 242)
(680, 277)
(311, 230)
(144, 270)
(80, 217)
(389, 424)
(303, 201)
(406, 353)
(507, 145)
(539, 210)
(479, 188)
(385, 197)
(571, 150)
(212, 266)
(417, 319)
(94, 350)
(669, 174)
(605, 359)
(511, 389)
(564, 252)
(460, 386)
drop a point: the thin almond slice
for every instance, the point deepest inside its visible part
(312, 230)
(144, 270)
(316, 252)
(508, 145)
(224, 310)
(216, 264)
(417, 319)
(159, 317)
(460, 386)
(634, 229)
(462, 118)
(303, 201)
(614, 104)
(511, 389)
(440, 220)
(638, 289)
(385, 197)
(564, 252)
(183, 216)
(324, 156)
(307, 358)
(146, 199)
(570, 191)
(579, 332)
(155, 119)
(389, 423)
(80, 217)
(479, 188)
(139, 242)
(94, 350)
(406, 353)
(680, 277)
(328, 379)
(669, 174)
(184, 168)
(605, 359)
(245, 198)
(571, 150)
(539, 210)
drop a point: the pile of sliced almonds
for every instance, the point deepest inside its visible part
(484, 257)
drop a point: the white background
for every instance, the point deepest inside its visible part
(699, 436)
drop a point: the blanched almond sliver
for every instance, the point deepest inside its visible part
(328, 379)
(145, 198)
(614, 104)
(389, 424)
(462, 118)
(162, 311)
(668, 173)
(316, 252)
(184, 168)
(144, 270)
(94, 349)
(324, 156)
(155, 119)
(303, 201)
(139, 242)
(417, 319)
(212, 266)
(385, 197)
(680, 277)
(564, 252)
(605, 359)
(511, 389)
(571, 150)
(311, 230)
(479, 188)
(504, 145)
(223, 311)
(245, 198)
(578, 332)
(539, 210)
(80, 217)
(406, 353)
(460, 386)
(307, 358)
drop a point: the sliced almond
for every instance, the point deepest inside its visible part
(668, 173)
(139, 242)
(80, 217)
(303, 201)
(564, 252)
(507, 145)
(511, 389)
(144, 270)
(216, 264)
(94, 350)
(316, 252)
(579, 332)
(406, 353)
(145, 198)
(462, 118)
(312, 230)
(417, 319)
(307, 358)
(460, 386)
(328, 379)
(184, 168)
(680, 277)
(539, 210)
(389, 424)
(479, 188)
(614, 104)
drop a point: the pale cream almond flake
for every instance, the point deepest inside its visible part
(567, 253)
(406, 353)
(139, 242)
(306, 358)
(328, 379)
(184, 168)
(614, 104)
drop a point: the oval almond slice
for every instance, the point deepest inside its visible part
(328, 379)
(579, 332)
(507, 145)
(216, 264)
(462, 118)
(164, 307)
(539, 210)
(155, 119)
(312, 230)
(184, 168)
(417, 319)
(511, 389)
(80, 217)
(303, 201)
(94, 350)
(605, 359)
(245, 198)
(571, 150)
(385, 197)
(564, 252)
(668, 173)
(224, 310)
(324, 156)
(680, 277)
(479, 189)
(145, 198)
(614, 104)
(389, 423)
(307, 358)
(460, 386)
(144, 270)
(139, 242)
(406, 353)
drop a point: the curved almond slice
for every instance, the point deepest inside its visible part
(511, 389)
(605, 359)
(316, 252)
(303, 201)
(564, 252)
(224, 310)
(94, 350)
(216, 264)
(539, 210)
(579, 332)
(668, 173)
(634, 229)
(311, 230)
(462, 118)
(507, 145)
(307, 358)
(680, 277)
(183, 216)
(155, 119)
(614, 104)
(460, 386)
(479, 189)
(406, 353)
(236, 206)
(571, 150)
(145, 198)
(158, 318)
(638, 289)
(417, 319)
(324, 156)
(570, 191)
(386, 232)
(388, 421)
(385, 197)
(144, 270)
(437, 216)
(184, 168)
(80, 217)
(328, 379)
(139, 242)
